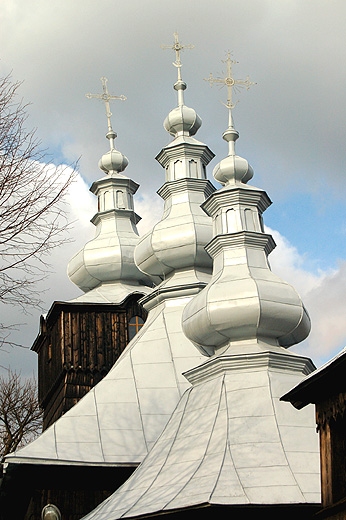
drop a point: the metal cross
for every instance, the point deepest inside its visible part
(177, 47)
(229, 81)
(106, 97)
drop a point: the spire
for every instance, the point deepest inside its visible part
(175, 246)
(182, 120)
(113, 161)
(231, 84)
(180, 85)
(147, 380)
(106, 263)
(231, 169)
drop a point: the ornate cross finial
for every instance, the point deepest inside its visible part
(230, 82)
(177, 47)
(106, 97)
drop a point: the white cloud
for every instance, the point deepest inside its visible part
(323, 295)
(82, 203)
(149, 208)
(80, 207)
(288, 263)
(326, 304)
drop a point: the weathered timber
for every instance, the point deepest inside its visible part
(77, 346)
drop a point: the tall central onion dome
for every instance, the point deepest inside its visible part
(174, 248)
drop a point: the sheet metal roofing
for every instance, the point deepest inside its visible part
(119, 419)
(230, 441)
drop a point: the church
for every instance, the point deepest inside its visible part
(161, 384)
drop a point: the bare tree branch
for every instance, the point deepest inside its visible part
(20, 414)
(32, 213)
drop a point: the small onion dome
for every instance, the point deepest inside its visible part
(233, 169)
(182, 119)
(113, 161)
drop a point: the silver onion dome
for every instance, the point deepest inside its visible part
(182, 120)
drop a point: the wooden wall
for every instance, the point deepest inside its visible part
(331, 421)
(77, 346)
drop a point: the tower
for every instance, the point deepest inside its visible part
(231, 446)
(80, 340)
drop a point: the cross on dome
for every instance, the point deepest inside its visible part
(230, 135)
(106, 97)
(230, 83)
(113, 161)
(181, 120)
(177, 47)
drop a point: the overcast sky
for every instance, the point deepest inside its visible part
(291, 123)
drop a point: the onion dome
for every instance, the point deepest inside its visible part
(182, 120)
(233, 169)
(113, 161)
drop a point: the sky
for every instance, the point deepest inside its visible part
(291, 124)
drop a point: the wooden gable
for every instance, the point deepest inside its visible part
(77, 346)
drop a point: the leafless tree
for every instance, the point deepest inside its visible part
(20, 414)
(32, 213)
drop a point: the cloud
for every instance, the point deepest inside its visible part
(288, 263)
(323, 295)
(80, 205)
(291, 118)
(150, 208)
(326, 304)
(82, 202)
